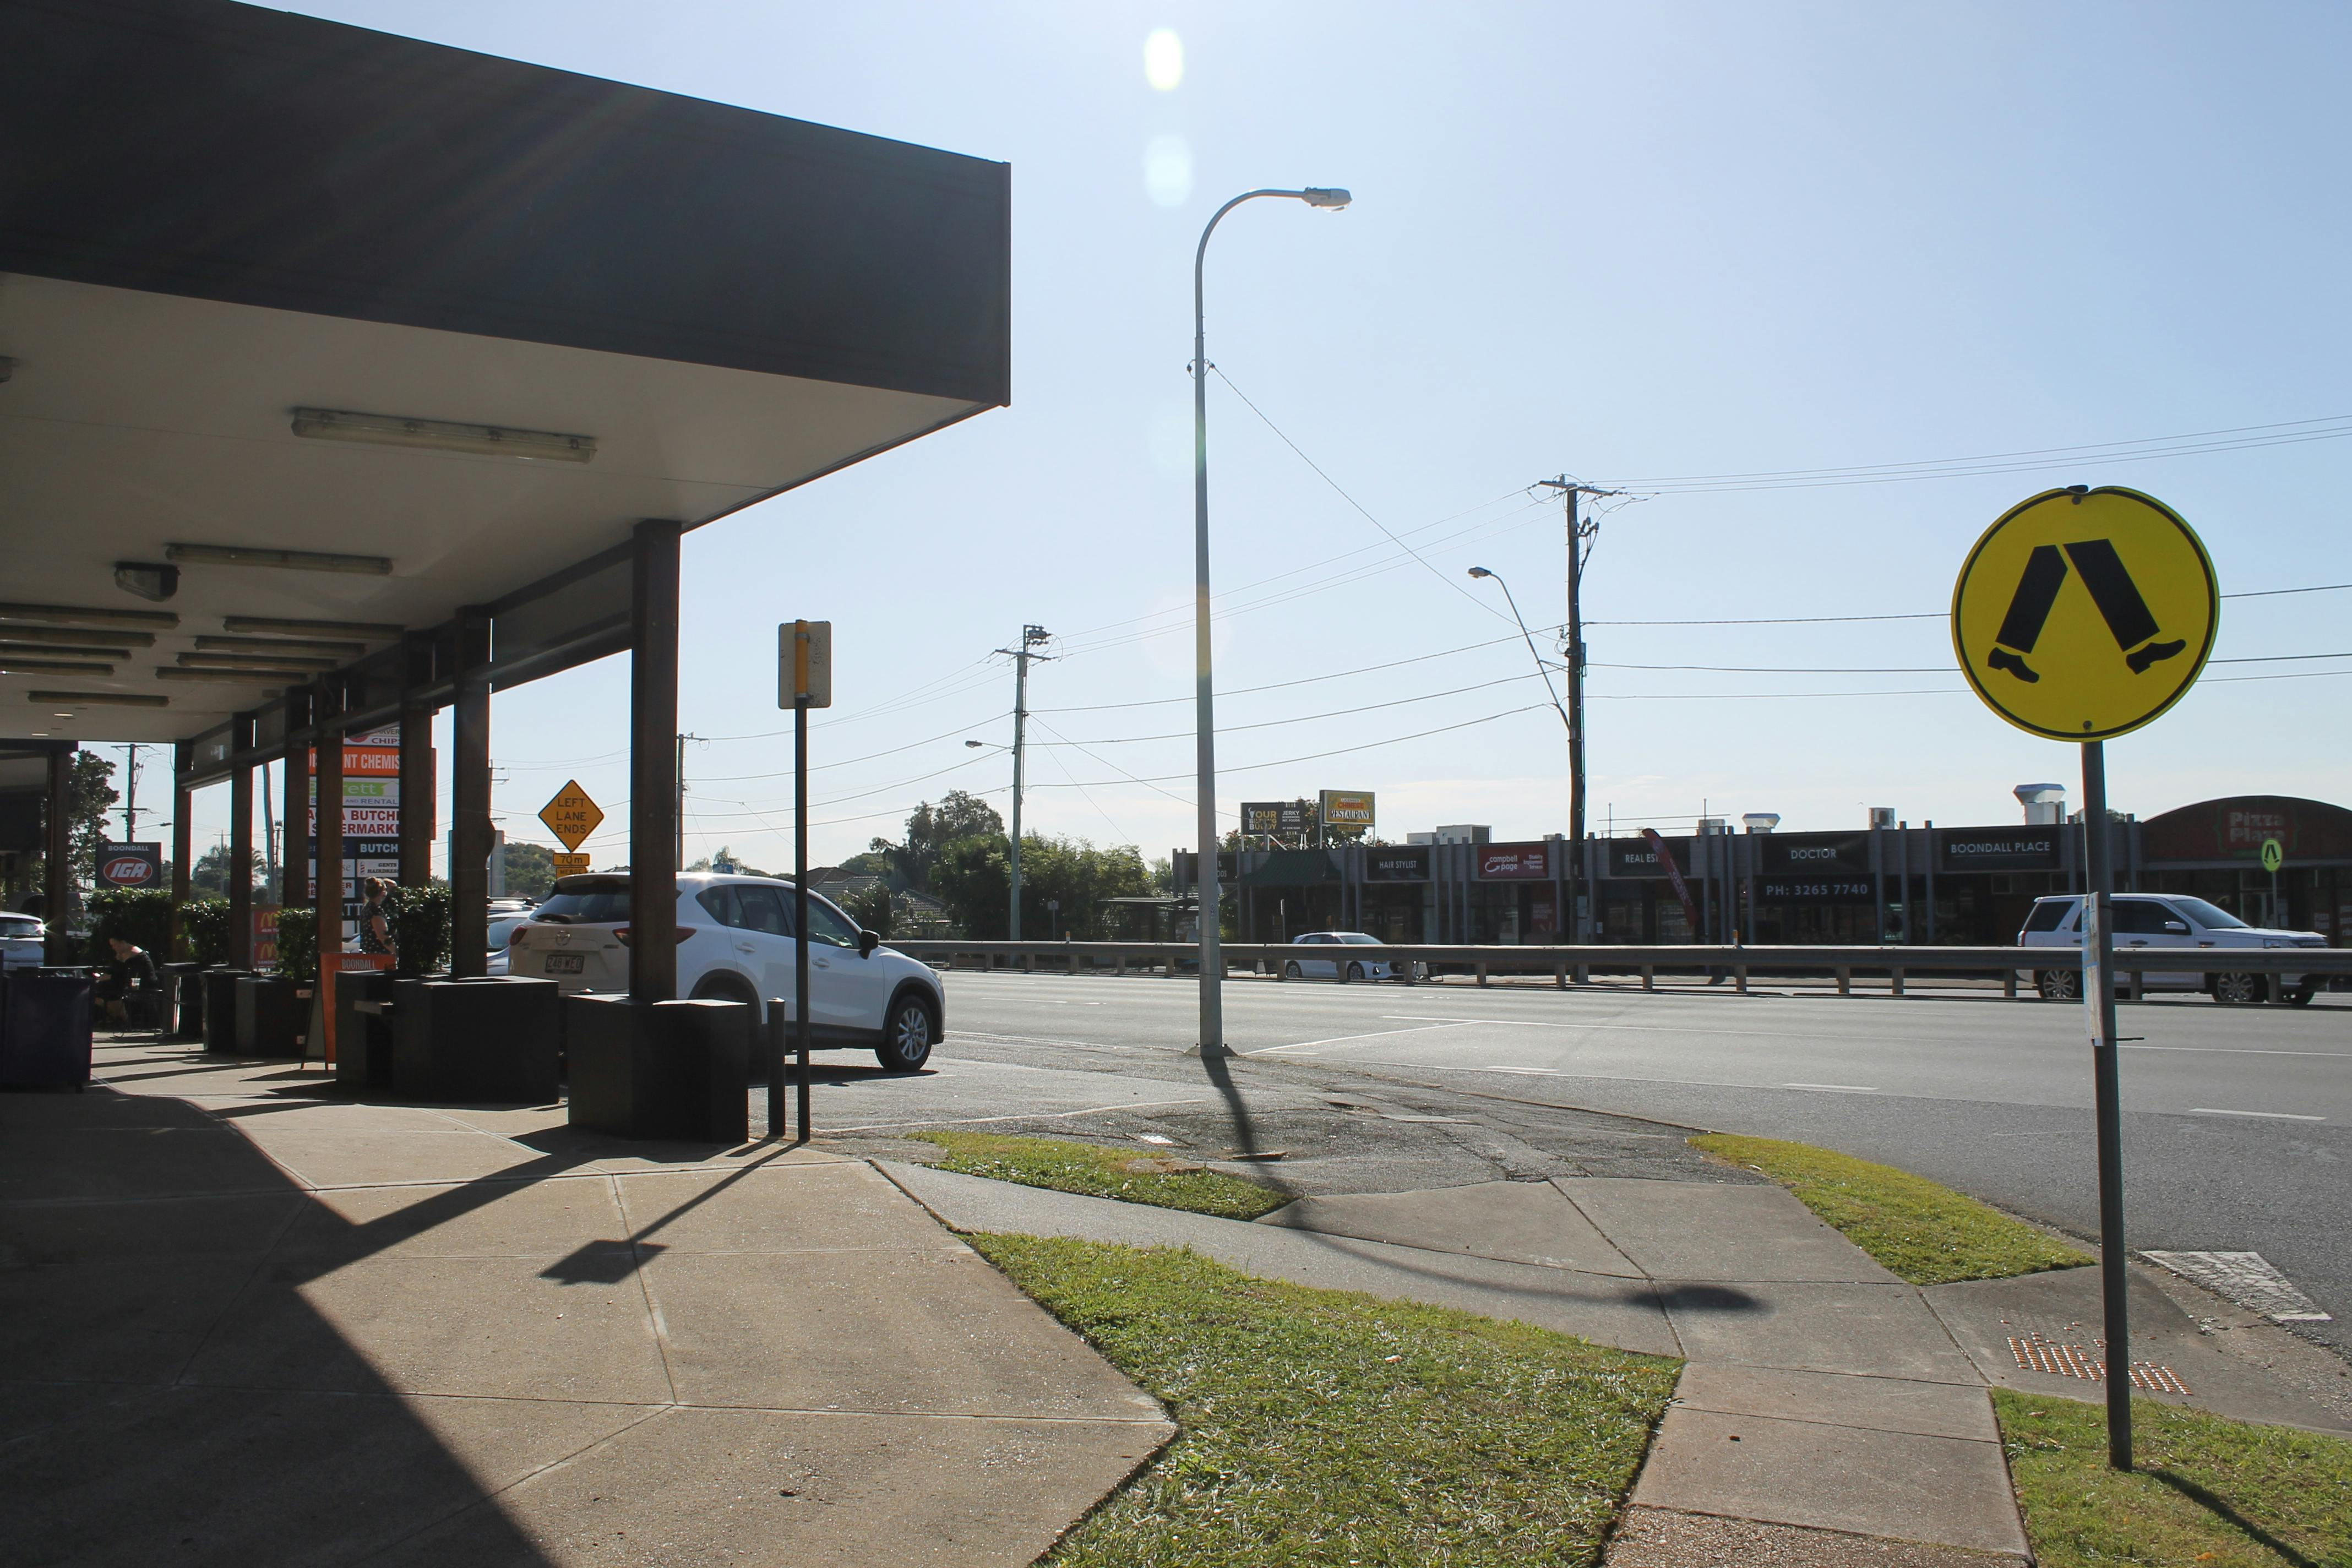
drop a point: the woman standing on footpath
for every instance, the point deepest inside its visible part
(376, 925)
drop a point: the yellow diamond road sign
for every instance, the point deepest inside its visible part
(2085, 614)
(571, 815)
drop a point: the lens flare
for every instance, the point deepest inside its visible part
(1168, 171)
(1164, 60)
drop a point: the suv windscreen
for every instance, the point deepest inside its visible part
(2047, 914)
(2210, 916)
(607, 905)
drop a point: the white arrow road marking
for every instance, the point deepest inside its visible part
(2248, 1279)
(2265, 1115)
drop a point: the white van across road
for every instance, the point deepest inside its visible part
(2169, 919)
(735, 945)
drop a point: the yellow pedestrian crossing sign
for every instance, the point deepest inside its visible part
(572, 816)
(2083, 614)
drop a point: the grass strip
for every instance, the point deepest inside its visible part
(1320, 1427)
(1927, 1234)
(1101, 1173)
(2205, 1490)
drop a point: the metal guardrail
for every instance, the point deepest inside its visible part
(1577, 964)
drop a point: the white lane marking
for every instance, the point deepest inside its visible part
(2245, 1051)
(2249, 1279)
(2265, 1115)
(1343, 1039)
(1031, 1116)
(1836, 1088)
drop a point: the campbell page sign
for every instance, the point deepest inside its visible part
(1513, 862)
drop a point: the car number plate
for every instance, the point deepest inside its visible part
(563, 962)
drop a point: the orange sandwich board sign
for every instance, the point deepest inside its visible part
(572, 816)
(2083, 614)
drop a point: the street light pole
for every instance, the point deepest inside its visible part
(1204, 879)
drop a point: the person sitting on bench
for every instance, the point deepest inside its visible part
(130, 983)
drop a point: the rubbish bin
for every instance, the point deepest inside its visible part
(364, 1040)
(270, 1016)
(486, 1038)
(220, 1010)
(667, 1069)
(45, 1029)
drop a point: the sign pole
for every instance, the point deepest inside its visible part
(2099, 1003)
(801, 1031)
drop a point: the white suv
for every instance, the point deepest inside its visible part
(735, 945)
(2170, 920)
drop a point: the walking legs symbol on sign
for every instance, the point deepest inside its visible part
(2111, 588)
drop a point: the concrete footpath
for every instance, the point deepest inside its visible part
(246, 1322)
(1829, 1414)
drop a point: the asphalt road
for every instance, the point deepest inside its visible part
(2237, 1129)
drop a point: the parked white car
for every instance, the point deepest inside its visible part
(2167, 920)
(735, 945)
(23, 939)
(1328, 968)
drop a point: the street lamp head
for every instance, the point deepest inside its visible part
(1480, 571)
(975, 744)
(1332, 197)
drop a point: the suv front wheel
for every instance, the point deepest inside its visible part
(908, 1034)
(2238, 988)
(2058, 984)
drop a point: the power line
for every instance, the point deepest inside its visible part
(1925, 616)
(1297, 717)
(1351, 500)
(2146, 449)
(1280, 684)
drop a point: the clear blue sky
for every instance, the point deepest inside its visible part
(1621, 242)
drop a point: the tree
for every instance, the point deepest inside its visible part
(972, 879)
(209, 879)
(930, 830)
(529, 869)
(870, 908)
(89, 795)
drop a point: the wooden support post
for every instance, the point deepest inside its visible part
(294, 820)
(1649, 977)
(2009, 984)
(1559, 976)
(184, 844)
(1895, 976)
(1481, 974)
(418, 775)
(1739, 977)
(652, 761)
(57, 868)
(240, 846)
(1845, 981)
(471, 837)
(1584, 974)
(327, 716)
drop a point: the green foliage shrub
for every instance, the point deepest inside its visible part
(419, 918)
(142, 915)
(205, 923)
(298, 945)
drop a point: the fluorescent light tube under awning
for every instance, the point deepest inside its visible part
(279, 560)
(441, 435)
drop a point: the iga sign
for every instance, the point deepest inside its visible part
(131, 865)
(1513, 862)
(1347, 808)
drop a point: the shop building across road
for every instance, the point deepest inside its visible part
(1925, 883)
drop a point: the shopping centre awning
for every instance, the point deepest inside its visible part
(346, 375)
